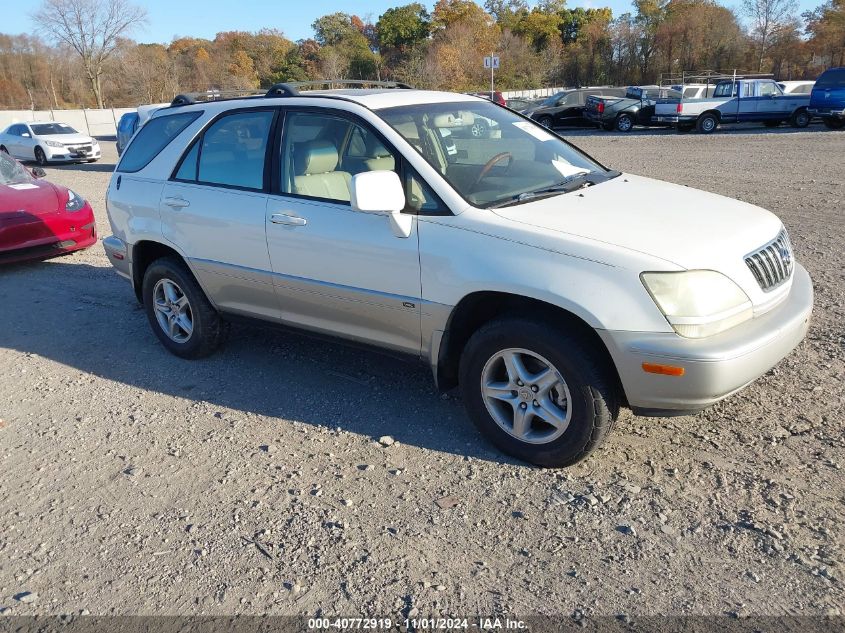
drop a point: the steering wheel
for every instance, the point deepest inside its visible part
(498, 158)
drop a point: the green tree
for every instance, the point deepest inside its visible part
(400, 28)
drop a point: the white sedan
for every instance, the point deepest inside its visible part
(48, 141)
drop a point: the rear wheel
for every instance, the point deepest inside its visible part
(40, 156)
(624, 123)
(834, 124)
(545, 121)
(536, 392)
(178, 311)
(707, 123)
(800, 118)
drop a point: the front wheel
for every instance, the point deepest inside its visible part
(178, 311)
(537, 393)
(624, 123)
(545, 121)
(707, 123)
(833, 124)
(800, 119)
(40, 156)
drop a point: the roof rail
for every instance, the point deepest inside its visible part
(187, 98)
(291, 89)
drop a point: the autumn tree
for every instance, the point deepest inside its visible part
(826, 28)
(92, 29)
(767, 17)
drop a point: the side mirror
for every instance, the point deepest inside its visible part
(381, 192)
(38, 172)
(26, 135)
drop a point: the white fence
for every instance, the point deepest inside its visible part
(91, 122)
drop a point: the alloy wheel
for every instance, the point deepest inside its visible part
(526, 396)
(173, 311)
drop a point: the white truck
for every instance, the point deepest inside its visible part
(736, 101)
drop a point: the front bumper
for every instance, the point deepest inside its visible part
(714, 367)
(70, 154)
(27, 237)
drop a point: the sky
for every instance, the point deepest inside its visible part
(205, 18)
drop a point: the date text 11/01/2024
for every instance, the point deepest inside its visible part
(480, 623)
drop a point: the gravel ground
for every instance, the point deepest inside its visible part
(254, 482)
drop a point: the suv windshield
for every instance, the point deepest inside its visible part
(491, 155)
(11, 171)
(45, 129)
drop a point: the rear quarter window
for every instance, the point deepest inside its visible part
(833, 78)
(152, 138)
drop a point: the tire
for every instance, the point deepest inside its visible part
(624, 123)
(707, 123)
(800, 118)
(92, 160)
(833, 124)
(3, 149)
(771, 123)
(478, 130)
(208, 330)
(40, 157)
(545, 121)
(583, 383)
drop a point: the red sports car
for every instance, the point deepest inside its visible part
(38, 219)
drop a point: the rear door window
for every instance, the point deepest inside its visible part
(152, 138)
(233, 150)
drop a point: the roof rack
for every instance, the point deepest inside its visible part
(291, 89)
(708, 77)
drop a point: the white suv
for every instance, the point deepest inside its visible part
(551, 289)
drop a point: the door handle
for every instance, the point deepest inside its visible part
(289, 220)
(176, 203)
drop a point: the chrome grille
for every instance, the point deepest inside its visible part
(772, 264)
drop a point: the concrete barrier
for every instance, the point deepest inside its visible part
(92, 122)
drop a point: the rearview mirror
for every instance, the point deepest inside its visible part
(38, 172)
(381, 192)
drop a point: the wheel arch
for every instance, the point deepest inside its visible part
(144, 253)
(478, 308)
(715, 113)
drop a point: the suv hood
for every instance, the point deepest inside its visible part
(684, 226)
(66, 139)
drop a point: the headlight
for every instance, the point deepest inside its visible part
(698, 303)
(74, 201)
(95, 142)
(53, 144)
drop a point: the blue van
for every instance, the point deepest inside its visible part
(827, 100)
(126, 127)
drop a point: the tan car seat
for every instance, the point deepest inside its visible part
(314, 168)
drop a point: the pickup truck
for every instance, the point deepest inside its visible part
(623, 113)
(735, 101)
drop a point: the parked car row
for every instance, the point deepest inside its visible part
(701, 106)
(47, 142)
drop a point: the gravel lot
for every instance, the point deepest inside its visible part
(253, 482)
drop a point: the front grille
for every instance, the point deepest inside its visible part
(79, 148)
(772, 264)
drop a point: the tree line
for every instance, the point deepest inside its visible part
(83, 54)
